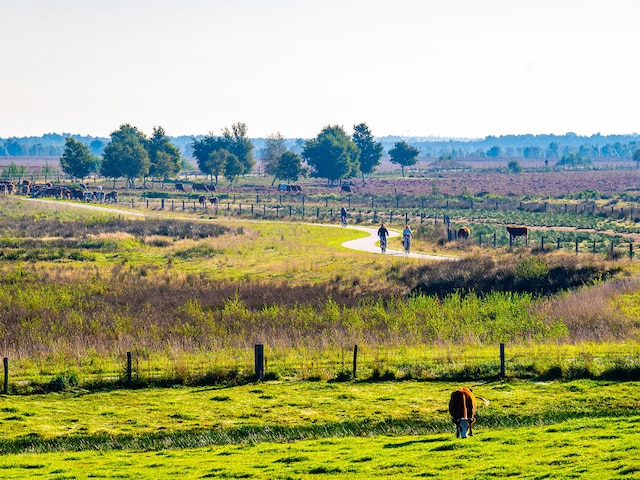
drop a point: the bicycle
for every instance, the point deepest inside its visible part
(383, 243)
(407, 243)
(344, 221)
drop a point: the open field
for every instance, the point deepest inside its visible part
(190, 291)
(580, 429)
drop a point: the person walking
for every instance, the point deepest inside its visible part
(343, 216)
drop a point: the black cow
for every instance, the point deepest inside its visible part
(199, 187)
(345, 188)
(179, 187)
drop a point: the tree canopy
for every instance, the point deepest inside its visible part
(126, 155)
(76, 160)
(289, 167)
(370, 150)
(332, 154)
(404, 155)
(164, 157)
(273, 149)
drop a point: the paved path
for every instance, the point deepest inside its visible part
(365, 244)
(369, 244)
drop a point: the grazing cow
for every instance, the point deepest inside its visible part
(284, 187)
(77, 194)
(199, 187)
(463, 233)
(213, 200)
(111, 197)
(296, 188)
(88, 196)
(462, 407)
(345, 188)
(202, 200)
(179, 187)
(211, 187)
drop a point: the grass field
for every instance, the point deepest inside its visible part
(579, 429)
(189, 293)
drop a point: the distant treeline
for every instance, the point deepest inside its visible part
(505, 146)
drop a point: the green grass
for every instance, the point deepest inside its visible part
(299, 429)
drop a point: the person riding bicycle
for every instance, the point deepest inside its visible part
(383, 233)
(406, 238)
(343, 216)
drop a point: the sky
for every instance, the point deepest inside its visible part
(427, 68)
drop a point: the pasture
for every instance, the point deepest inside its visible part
(190, 292)
(578, 429)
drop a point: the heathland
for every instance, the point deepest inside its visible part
(188, 290)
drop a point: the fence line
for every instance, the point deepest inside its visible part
(494, 364)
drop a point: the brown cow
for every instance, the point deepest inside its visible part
(462, 407)
(463, 233)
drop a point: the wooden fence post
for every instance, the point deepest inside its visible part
(355, 360)
(259, 361)
(502, 370)
(129, 376)
(5, 362)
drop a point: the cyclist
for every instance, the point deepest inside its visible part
(383, 233)
(406, 238)
(343, 216)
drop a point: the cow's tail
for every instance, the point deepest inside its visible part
(484, 400)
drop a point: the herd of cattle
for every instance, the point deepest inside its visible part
(60, 192)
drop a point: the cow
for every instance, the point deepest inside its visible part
(213, 200)
(179, 187)
(462, 407)
(111, 197)
(211, 187)
(199, 187)
(464, 233)
(202, 200)
(296, 188)
(284, 187)
(518, 231)
(345, 188)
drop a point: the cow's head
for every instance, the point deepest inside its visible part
(462, 427)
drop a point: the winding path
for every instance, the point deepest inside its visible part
(365, 244)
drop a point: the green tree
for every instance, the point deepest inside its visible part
(289, 167)
(636, 157)
(237, 142)
(216, 163)
(76, 160)
(514, 167)
(494, 152)
(164, 157)
(273, 149)
(370, 150)
(203, 150)
(404, 155)
(126, 155)
(332, 154)
(233, 167)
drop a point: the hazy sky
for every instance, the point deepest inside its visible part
(450, 68)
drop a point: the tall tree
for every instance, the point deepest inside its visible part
(164, 156)
(636, 157)
(273, 149)
(233, 167)
(370, 150)
(332, 154)
(126, 155)
(207, 152)
(404, 155)
(76, 160)
(237, 142)
(289, 167)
